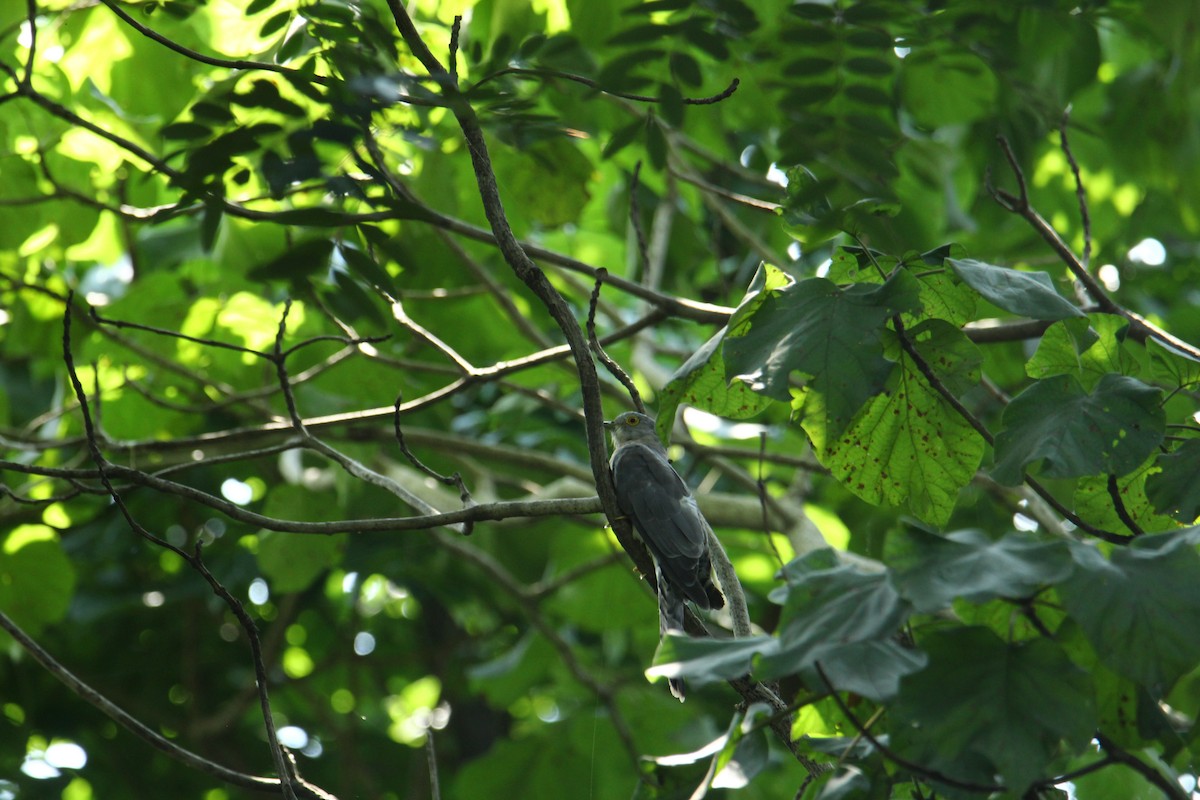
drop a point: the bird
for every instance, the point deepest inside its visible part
(666, 517)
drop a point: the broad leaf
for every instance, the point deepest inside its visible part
(291, 561)
(946, 85)
(935, 570)
(908, 447)
(308, 257)
(831, 610)
(1087, 349)
(37, 581)
(704, 661)
(871, 669)
(1175, 490)
(1111, 430)
(1030, 294)
(1094, 502)
(983, 706)
(1140, 608)
(830, 334)
(701, 380)
(848, 783)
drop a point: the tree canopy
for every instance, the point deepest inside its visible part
(311, 311)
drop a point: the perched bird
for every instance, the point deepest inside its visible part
(665, 515)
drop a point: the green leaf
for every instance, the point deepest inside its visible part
(686, 69)
(1117, 698)
(1089, 349)
(844, 618)
(366, 268)
(942, 297)
(186, 130)
(704, 661)
(1116, 782)
(1060, 348)
(291, 561)
(984, 706)
(1139, 608)
(701, 381)
(747, 752)
(847, 783)
(944, 86)
(830, 334)
(870, 669)
(1111, 430)
(303, 259)
(934, 570)
(37, 580)
(1030, 294)
(1095, 505)
(908, 447)
(621, 138)
(1175, 489)
(1172, 366)
(547, 181)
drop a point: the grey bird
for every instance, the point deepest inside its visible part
(665, 515)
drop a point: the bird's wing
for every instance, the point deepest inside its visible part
(667, 517)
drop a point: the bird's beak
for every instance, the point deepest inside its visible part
(607, 423)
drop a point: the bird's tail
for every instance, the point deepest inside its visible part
(671, 611)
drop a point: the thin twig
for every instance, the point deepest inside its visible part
(1080, 193)
(612, 366)
(455, 480)
(1140, 327)
(435, 790)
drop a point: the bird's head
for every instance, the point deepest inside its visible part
(632, 427)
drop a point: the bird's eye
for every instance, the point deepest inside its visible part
(632, 421)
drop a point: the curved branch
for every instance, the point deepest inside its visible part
(1140, 327)
(533, 277)
(145, 733)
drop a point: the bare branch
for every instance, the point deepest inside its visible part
(131, 723)
(283, 765)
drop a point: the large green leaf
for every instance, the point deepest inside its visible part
(943, 86)
(1094, 502)
(701, 380)
(984, 706)
(828, 333)
(1175, 489)
(935, 570)
(292, 561)
(704, 661)
(547, 181)
(37, 581)
(1111, 430)
(1030, 294)
(1088, 349)
(908, 447)
(1140, 608)
(844, 618)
